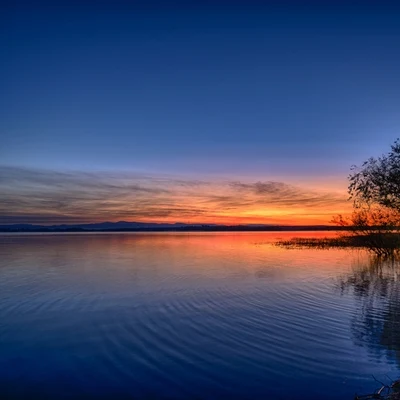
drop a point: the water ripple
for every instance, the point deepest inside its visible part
(208, 325)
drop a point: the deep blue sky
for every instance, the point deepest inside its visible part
(294, 91)
(220, 88)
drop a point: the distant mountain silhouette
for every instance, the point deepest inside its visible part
(124, 226)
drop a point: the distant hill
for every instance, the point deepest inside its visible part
(124, 226)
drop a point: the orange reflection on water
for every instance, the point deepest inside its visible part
(203, 255)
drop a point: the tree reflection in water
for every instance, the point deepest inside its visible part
(375, 284)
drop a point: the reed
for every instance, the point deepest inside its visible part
(380, 243)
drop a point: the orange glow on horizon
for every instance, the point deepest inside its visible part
(95, 197)
(273, 216)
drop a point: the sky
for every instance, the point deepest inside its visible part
(192, 111)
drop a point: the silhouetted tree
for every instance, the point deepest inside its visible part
(377, 181)
(375, 190)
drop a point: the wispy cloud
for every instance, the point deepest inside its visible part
(40, 196)
(284, 195)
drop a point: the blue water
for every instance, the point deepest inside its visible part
(192, 316)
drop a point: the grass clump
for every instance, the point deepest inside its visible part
(382, 244)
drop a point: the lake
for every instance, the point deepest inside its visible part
(193, 316)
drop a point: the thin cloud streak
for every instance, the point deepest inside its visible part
(44, 196)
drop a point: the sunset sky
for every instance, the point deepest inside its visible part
(192, 111)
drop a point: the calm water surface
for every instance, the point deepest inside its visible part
(192, 316)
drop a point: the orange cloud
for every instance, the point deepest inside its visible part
(41, 196)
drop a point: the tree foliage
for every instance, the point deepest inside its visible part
(375, 190)
(377, 181)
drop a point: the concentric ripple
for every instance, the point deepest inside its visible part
(172, 316)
